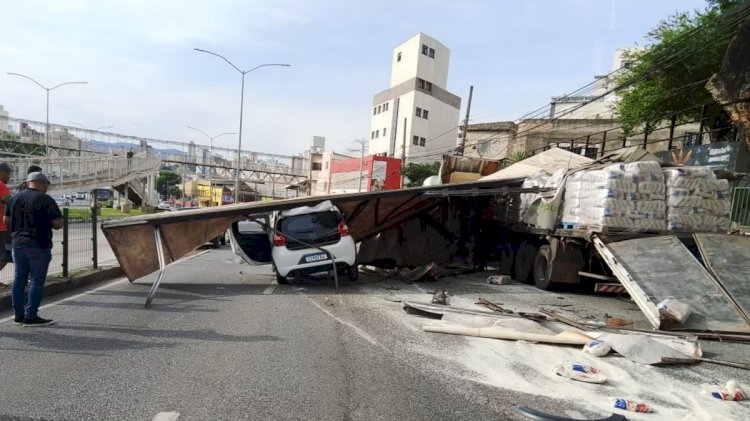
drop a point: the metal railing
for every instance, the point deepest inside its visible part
(77, 171)
(741, 206)
(79, 245)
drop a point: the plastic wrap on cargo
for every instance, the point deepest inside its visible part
(696, 200)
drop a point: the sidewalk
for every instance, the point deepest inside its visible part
(57, 284)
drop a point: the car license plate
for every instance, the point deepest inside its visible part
(310, 258)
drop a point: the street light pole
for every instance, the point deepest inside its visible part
(242, 100)
(211, 158)
(362, 143)
(46, 129)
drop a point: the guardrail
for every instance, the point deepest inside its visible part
(741, 206)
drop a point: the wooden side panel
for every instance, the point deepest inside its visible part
(135, 249)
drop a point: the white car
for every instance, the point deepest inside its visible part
(164, 206)
(302, 241)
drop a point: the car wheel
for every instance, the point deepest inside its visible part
(352, 273)
(281, 280)
(542, 267)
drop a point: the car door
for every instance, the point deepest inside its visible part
(250, 240)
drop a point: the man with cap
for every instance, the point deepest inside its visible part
(5, 195)
(31, 216)
(32, 168)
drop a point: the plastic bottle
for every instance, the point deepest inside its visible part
(632, 406)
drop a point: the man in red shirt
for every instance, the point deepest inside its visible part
(5, 248)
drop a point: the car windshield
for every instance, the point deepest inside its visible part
(311, 226)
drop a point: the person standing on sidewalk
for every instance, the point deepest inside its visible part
(5, 195)
(31, 216)
(24, 185)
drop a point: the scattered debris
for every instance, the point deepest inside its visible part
(390, 288)
(440, 297)
(422, 312)
(616, 322)
(674, 310)
(533, 316)
(493, 306)
(632, 406)
(538, 415)
(567, 337)
(597, 348)
(645, 349)
(499, 279)
(731, 391)
(580, 372)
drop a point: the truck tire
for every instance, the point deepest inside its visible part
(524, 262)
(542, 267)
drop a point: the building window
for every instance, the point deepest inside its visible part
(372, 135)
(425, 113)
(420, 83)
(326, 164)
(383, 131)
(425, 49)
(398, 56)
(325, 186)
(422, 141)
(316, 166)
(415, 140)
(432, 53)
(483, 146)
(379, 108)
(377, 133)
(419, 112)
(385, 107)
(428, 86)
(374, 110)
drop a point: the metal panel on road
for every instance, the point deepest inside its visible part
(728, 258)
(656, 268)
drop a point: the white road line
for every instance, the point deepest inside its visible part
(72, 298)
(269, 289)
(99, 288)
(166, 416)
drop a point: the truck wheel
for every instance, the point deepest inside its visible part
(524, 262)
(352, 273)
(542, 268)
(281, 280)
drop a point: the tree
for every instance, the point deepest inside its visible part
(417, 173)
(166, 183)
(668, 76)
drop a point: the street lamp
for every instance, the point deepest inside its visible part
(89, 130)
(363, 144)
(242, 99)
(210, 161)
(46, 130)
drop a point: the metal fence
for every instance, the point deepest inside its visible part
(741, 206)
(79, 245)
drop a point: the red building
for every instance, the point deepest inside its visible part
(378, 173)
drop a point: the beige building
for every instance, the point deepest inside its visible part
(416, 115)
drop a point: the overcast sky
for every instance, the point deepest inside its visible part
(146, 80)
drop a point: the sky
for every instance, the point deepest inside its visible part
(145, 79)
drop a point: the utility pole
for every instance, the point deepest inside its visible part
(363, 144)
(466, 123)
(403, 155)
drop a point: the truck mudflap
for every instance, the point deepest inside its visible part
(655, 268)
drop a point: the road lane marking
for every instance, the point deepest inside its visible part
(64, 300)
(166, 416)
(117, 281)
(269, 289)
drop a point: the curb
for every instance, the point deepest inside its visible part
(57, 285)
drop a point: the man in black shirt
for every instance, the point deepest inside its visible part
(31, 215)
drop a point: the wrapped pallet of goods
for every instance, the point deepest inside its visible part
(697, 200)
(620, 196)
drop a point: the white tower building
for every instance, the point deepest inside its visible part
(416, 110)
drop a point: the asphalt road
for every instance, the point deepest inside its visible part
(222, 341)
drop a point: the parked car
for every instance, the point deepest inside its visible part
(62, 202)
(164, 205)
(299, 241)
